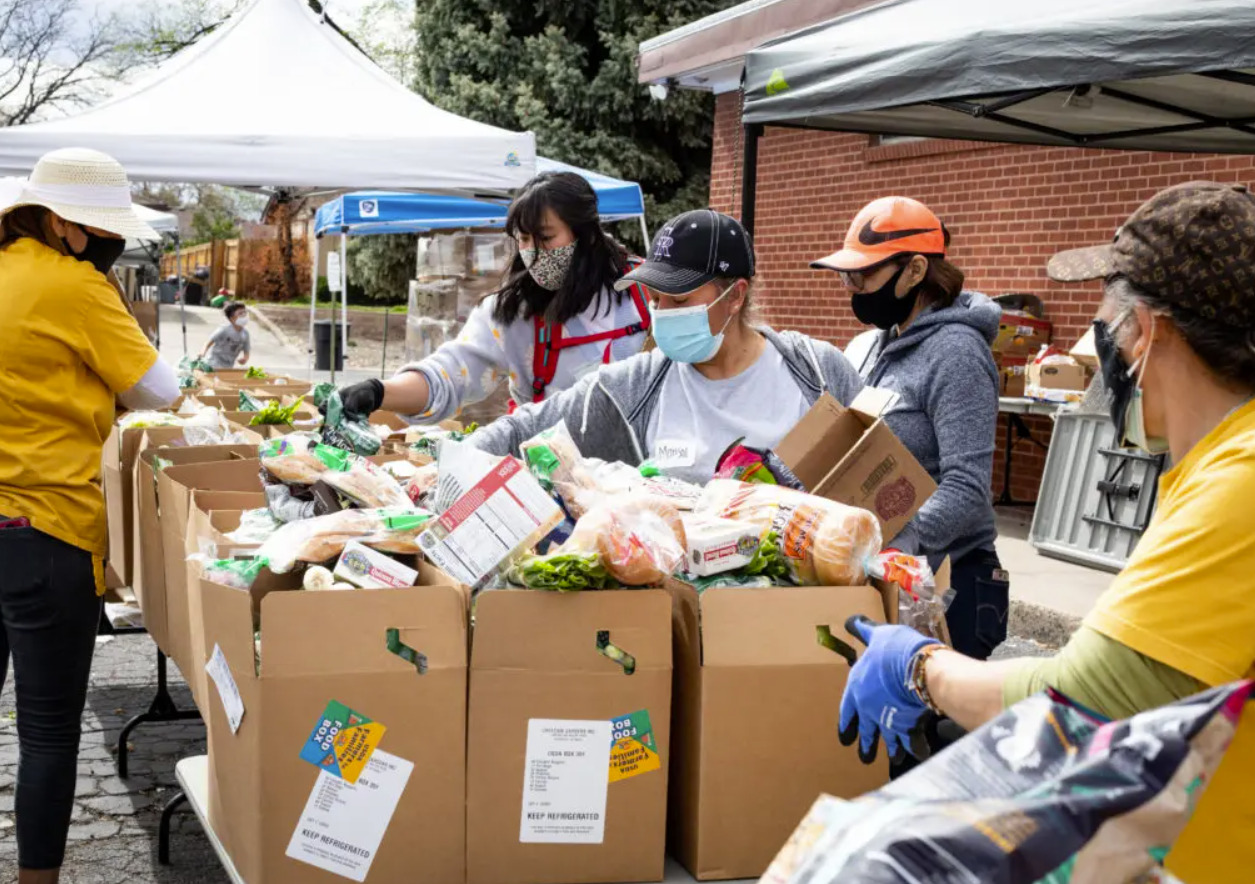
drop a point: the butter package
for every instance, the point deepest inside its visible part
(717, 545)
(368, 569)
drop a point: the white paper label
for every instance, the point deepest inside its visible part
(565, 779)
(670, 453)
(343, 823)
(232, 703)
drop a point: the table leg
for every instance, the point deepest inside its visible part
(163, 828)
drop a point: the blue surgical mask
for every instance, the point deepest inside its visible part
(683, 333)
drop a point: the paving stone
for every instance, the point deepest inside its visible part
(112, 805)
(94, 830)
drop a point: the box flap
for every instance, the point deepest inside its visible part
(777, 626)
(557, 632)
(819, 440)
(874, 402)
(334, 632)
(227, 617)
(227, 475)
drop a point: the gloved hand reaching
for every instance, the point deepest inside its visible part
(362, 399)
(879, 699)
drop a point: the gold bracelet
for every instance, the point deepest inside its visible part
(919, 681)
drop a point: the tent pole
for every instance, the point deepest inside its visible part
(178, 286)
(344, 295)
(383, 363)
(645, 234)
(316, 253)
(749, 175)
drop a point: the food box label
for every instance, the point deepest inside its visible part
(342, 742)
(565, 782)
(633, 750)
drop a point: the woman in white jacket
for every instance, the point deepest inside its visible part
(556, 317)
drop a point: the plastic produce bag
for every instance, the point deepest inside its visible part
(237, 573)
(639, 539)
(1046, 793)
(815, 541)
(562, 571)
(256, 526)
(299, 458)
(322, 538)
(351, 432)
(552, 457)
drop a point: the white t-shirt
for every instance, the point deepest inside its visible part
(697, 419)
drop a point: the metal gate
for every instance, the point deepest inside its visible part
(1095, 499)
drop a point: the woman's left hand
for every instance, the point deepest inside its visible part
(878, 698)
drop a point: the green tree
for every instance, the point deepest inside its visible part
(566, 69)
(383, 265)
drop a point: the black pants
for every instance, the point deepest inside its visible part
(50, 612)
(977, 616)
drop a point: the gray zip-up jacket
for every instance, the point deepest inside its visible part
(608, 412)
(947, 416)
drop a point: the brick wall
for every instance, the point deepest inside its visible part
(1009, 208)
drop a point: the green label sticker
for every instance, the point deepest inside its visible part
(632, 748)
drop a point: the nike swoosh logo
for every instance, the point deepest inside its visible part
(869, 237)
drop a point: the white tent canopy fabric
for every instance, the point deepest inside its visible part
(275, 97)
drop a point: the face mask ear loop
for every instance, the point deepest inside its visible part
(1139, 367)
(731, 316)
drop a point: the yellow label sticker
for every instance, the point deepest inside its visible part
(633, 750)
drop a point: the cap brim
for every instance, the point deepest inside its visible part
(1077, 265)
(665, 278)
(848, 260)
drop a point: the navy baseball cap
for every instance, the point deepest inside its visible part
(692, 249)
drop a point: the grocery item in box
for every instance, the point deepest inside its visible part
(716, 546)
(362, 566)
(1021, 334)
(1054, 376)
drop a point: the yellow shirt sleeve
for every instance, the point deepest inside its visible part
(1187, 596)
(109, 340)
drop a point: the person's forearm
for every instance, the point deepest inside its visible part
(968, 691)
(407, 393)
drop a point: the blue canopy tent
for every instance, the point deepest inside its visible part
(369, 212)
(363, 213)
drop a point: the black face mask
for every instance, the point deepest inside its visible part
(101, 251)
(1115, 375)
(883, 308)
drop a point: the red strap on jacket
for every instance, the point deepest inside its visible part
(550, 341)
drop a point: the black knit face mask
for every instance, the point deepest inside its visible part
(883, 308)
(102, 252)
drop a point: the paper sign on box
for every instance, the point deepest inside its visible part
(565, 782)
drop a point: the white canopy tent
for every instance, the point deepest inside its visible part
(276, 98)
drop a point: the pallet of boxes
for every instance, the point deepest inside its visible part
(1022, 332)
(429, 664)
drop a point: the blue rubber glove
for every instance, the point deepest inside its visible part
(878, 700)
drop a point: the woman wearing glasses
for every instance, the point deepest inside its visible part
(930, 345)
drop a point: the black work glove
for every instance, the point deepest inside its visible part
(362, 399)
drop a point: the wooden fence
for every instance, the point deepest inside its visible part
(227, 261)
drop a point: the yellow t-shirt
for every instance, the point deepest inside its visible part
(67, 348)
(1187, 599)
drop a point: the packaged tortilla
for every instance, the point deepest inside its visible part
(1046, 793)
(820, 541)
(322, 538)
(299, 458)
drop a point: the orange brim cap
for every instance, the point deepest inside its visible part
(848, 260)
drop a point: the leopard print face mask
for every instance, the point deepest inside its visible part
(549, 267)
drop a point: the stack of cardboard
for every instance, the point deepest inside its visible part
(455, 272)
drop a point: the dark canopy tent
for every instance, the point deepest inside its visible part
(1170, 75)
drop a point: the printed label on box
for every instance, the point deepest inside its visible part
(228, 691)
(342, 742)
(487, 524)
(633, 750)
(343, 824)
(565, 782)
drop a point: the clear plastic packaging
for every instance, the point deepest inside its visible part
(236, 573)
(810, 540)
(322, 538)
(368, 485)
(920, 606)
(299, 458)
(256, 526)
(639, 538)
(554, 460)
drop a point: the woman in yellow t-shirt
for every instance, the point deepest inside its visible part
(1176, 342)
(69, 348)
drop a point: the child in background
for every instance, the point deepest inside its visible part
(229, 345)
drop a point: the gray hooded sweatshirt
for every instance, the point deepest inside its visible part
(608, 413)
(943, 369)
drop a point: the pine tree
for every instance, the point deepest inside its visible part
(566, 69)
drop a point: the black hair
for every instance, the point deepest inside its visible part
(599, 261)
(233, 308)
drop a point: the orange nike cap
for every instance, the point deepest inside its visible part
(884, 229)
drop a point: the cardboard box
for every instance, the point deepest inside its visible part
(1056, 381)
(175, 487)
(535, 658)
(757, 700)
(851, 456)
(1020, 334)
(320, 647)
(149, 574)
(1085, 351)
(1011, 374)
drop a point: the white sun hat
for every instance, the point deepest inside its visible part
(81, 185)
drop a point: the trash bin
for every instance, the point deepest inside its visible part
(322, 344)
(167, 289)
